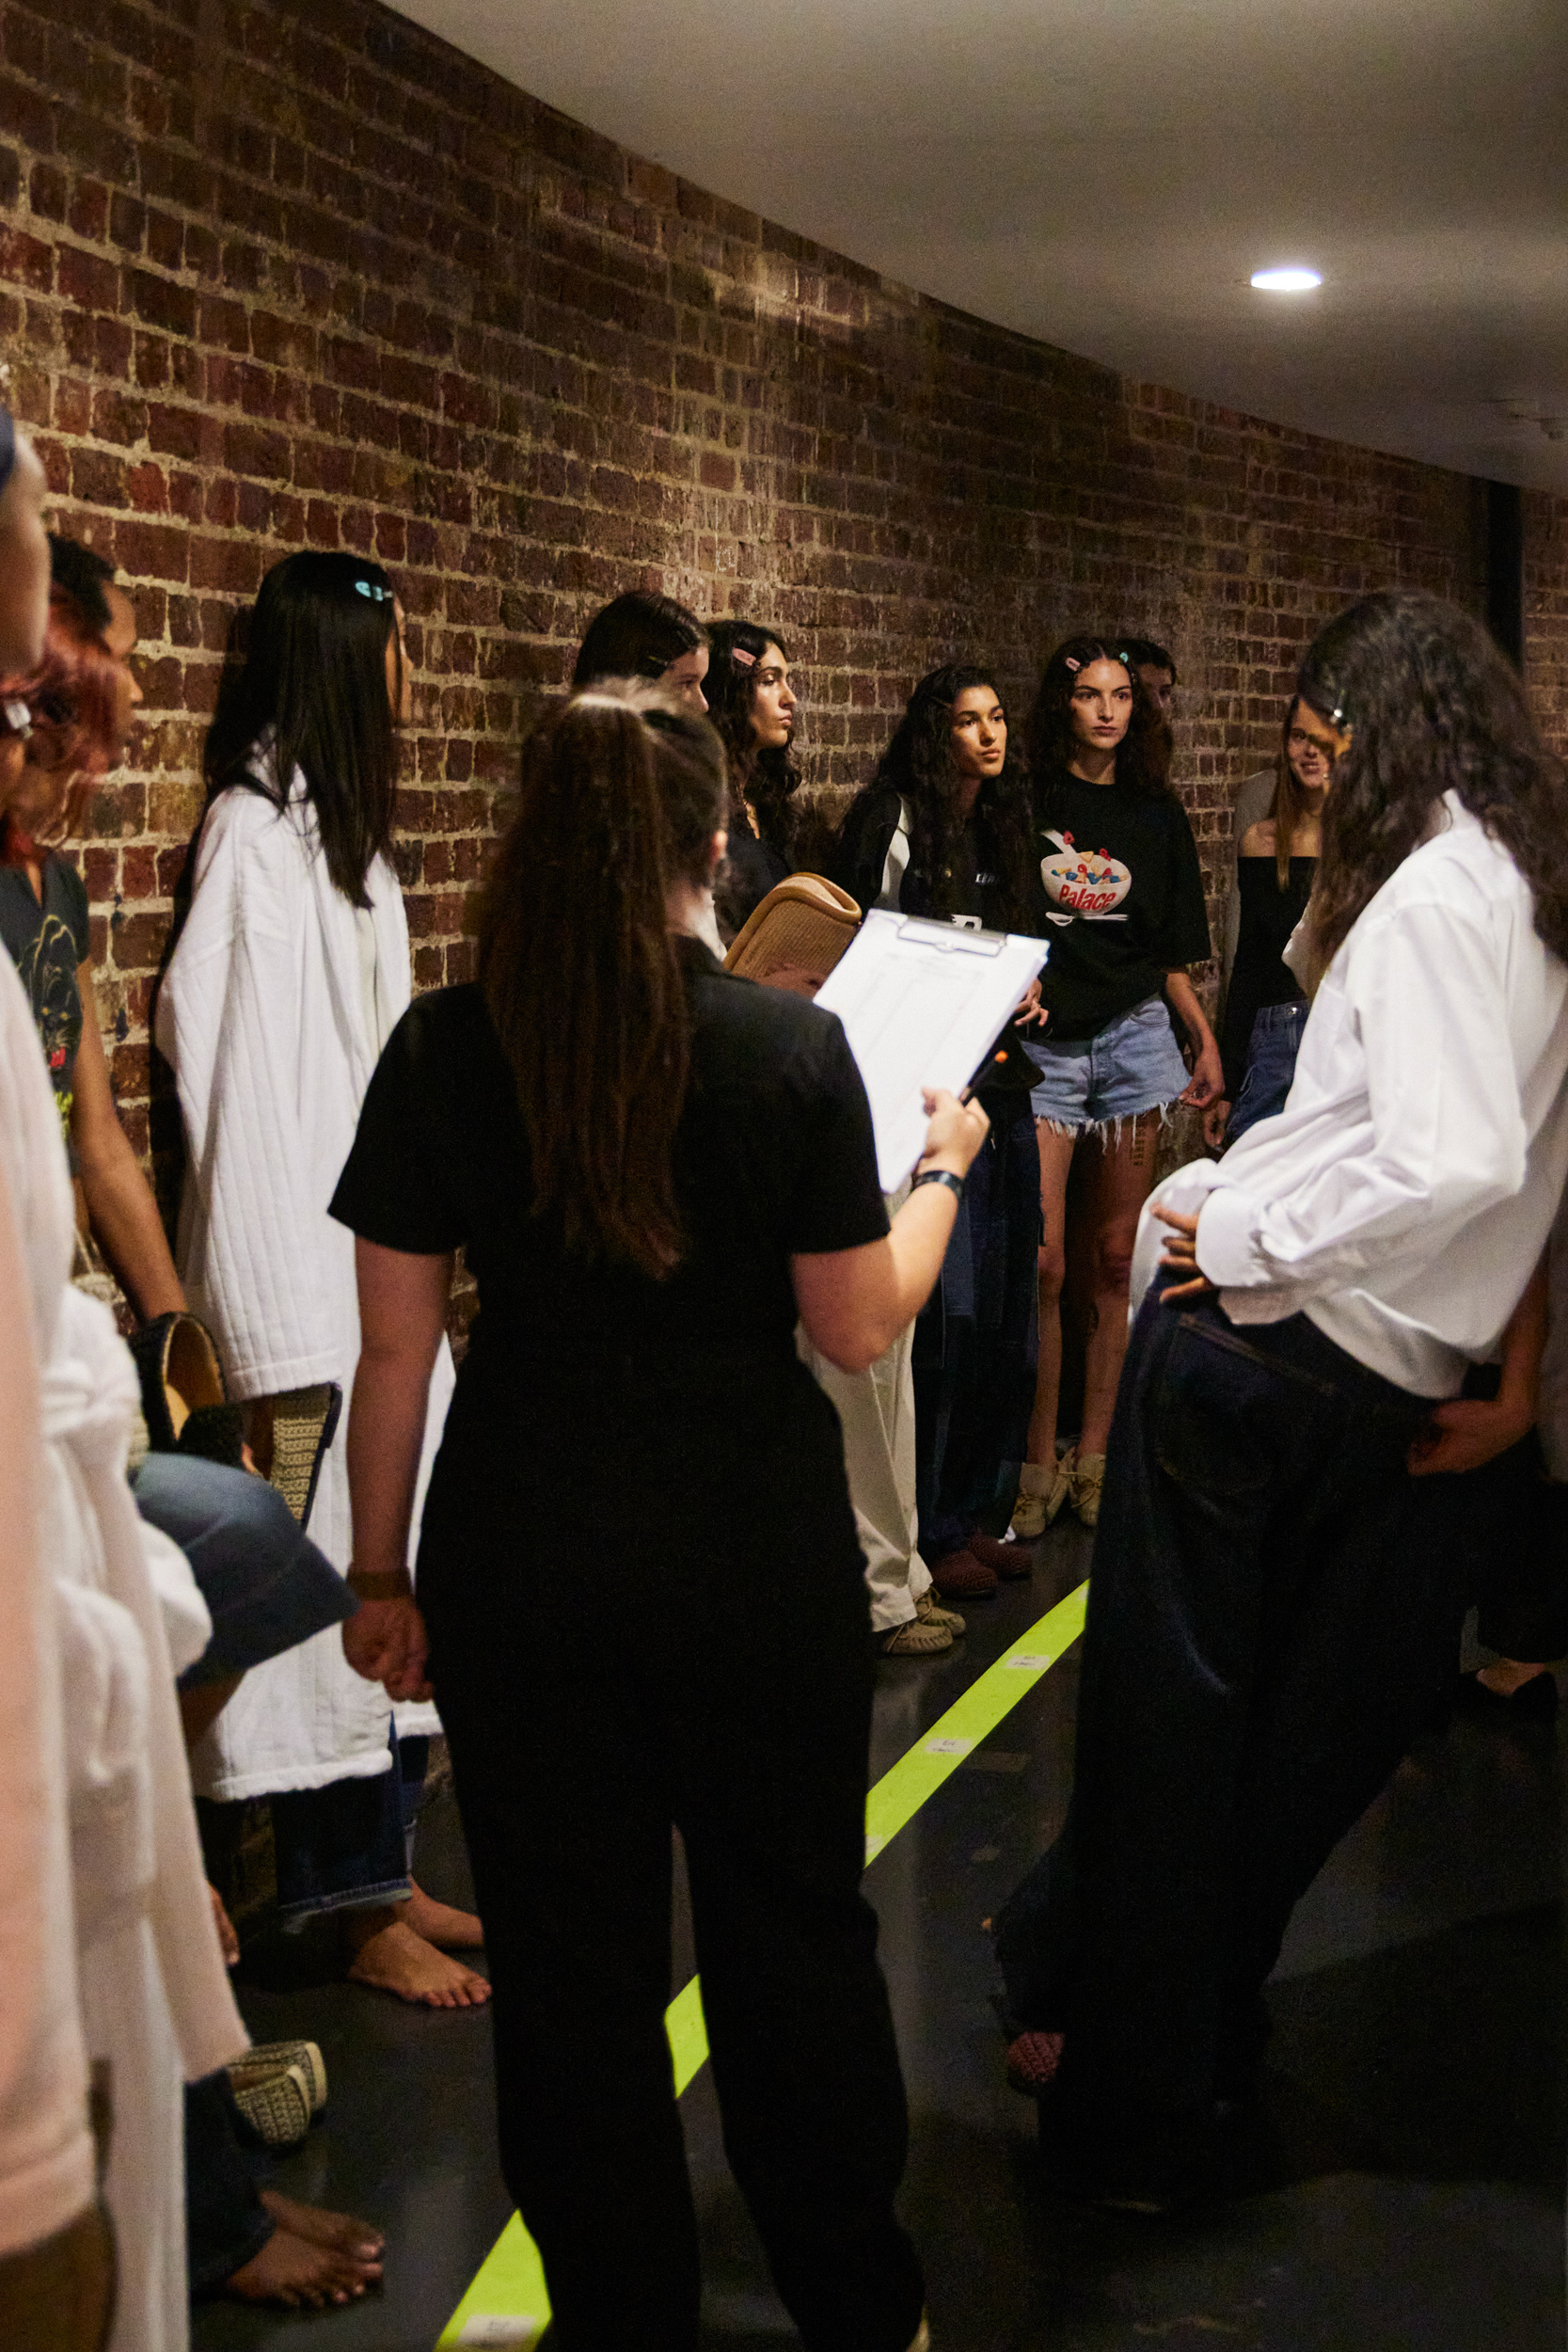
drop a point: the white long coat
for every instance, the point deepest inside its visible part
(261, 1018)
(132, 1936)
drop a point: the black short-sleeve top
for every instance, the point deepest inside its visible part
(774, 1155)
(48, 940)
(1125, 905)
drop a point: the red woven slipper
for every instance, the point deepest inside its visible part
(1032, 2062)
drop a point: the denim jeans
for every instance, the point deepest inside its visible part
(265, 1583)
(1271, 1066)
(352, 1843)
(226, 2166)
(1271, 1614)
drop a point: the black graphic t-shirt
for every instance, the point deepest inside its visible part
(46, 944)
(1124, 901)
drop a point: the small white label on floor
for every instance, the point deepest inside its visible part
(511, 2328)
(1028, 1662)
(948, 1747)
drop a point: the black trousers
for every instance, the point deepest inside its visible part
(1272, 1615)
(976, 1341)
(591, 1704)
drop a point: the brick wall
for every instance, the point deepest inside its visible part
(274, 276)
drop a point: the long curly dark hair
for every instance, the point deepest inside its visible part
(766, 779)
(918, 765)
(1431, 706)
(1143, 755)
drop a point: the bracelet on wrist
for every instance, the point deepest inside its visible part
(940, 1176)
(380, 1583)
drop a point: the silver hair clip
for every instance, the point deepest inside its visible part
(376, 593)
(17, 717)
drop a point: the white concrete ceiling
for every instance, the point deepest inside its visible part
(1107, 174)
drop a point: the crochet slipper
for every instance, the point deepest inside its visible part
(1032, 2062)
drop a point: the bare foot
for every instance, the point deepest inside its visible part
(342, 2231)
(302, 2276)
(228, 1940)
(440, 1923)
(398, 1960)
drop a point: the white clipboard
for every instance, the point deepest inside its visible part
(922, 1004)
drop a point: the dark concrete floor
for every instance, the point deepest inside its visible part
(1407, 2190)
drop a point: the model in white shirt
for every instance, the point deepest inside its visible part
(1272, 1601)
(290, 970)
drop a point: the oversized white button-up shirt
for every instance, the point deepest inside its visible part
(1402, 1197)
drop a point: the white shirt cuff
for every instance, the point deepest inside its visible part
(1228, 1251)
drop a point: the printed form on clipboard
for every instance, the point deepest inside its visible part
(922, 1006)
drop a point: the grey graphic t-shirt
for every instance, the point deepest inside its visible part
(46, 943)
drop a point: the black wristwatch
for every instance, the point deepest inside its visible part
(940, 1176)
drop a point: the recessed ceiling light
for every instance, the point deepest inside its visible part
(1285, 281)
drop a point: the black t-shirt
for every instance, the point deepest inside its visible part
(751, 868)
(774, 1155)
(1124, 901)
(47, 943)
(1260, 975)
(970, 895)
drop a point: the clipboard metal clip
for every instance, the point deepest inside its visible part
(951, 938)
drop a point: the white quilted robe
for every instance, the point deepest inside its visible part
(134, 1933)
(260, 1016)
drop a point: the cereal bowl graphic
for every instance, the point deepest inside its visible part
(1083, 882)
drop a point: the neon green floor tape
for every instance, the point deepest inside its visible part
(507, 2305)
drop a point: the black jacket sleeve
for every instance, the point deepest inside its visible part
(863, 841)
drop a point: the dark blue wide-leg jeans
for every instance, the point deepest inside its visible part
(1272, 1613)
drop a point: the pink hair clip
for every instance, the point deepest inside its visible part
(1071, 664)
(747, 661)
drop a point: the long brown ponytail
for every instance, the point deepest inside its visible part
(622, 789)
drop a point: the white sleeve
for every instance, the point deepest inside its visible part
(187, 1619)
(231, 1025)
(1446, 1129)
(46, 2157)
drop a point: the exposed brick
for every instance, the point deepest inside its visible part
(267, 283)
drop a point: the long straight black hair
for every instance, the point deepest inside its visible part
(1431, 707)
(312, 699)
(623, 792)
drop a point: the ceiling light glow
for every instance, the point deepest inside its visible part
(1285, 281)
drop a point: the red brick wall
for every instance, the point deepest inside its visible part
(274, 276)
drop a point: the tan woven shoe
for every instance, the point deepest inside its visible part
(1088, 1480)
(931, 1612)
(1042, 1490)
(277, 2106)
(920, 1638)
(264, 2059)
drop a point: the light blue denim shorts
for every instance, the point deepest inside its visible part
(1133, 1064)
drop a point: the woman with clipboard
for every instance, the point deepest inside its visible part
(945, 831)
(655, 1168)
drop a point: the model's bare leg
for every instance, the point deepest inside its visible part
(1123, 1173)
(1057, 1152)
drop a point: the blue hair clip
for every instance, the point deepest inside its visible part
(376, 593)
